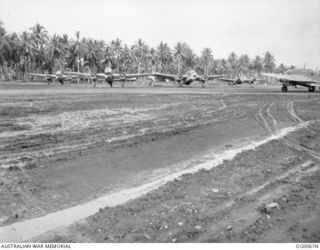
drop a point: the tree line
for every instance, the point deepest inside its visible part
(35, 50)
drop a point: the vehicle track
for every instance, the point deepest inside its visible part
(271, 117)
(18, 231)
(264, 115)
(246, 210)
(71, 135)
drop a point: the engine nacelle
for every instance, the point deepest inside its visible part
(204, 78)
(93, 77)
(178, 79)
(122, 77)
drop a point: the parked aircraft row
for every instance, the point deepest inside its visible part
(305, 78)
(110, 78)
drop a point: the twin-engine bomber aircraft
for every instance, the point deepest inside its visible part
(306, 78)
(238, 80)
(108, 76)
(50, 77)
(185, 79)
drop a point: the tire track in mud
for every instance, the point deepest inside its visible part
(300, 147)
(264, 115)
(265, 109)
(20, 231)
(252, 192)
(294, 116)
(269, 122)
(292, 112)
(271, 117)
(133, 124)
(244, 211)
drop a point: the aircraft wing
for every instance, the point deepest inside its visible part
(292, 78)
(210, 77)
(35, 74)
(160, 75)
(138, 75)
(127, 79)
(164, 76)
(315, 84)
(226, 79)
(79, 74)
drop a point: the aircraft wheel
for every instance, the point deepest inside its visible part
(284, 89)
(311, 89)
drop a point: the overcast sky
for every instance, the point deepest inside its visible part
(290, 29)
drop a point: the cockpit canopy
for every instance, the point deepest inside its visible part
(191, 74)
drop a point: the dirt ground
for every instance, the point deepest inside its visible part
(63, 146)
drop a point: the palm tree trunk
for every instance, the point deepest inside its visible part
(78, 62)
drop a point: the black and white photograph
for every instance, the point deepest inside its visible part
(159, 121)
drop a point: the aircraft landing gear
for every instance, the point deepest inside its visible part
(284, 88)
(203, 85)
(151, 84)
(312, 88)
(123, 83)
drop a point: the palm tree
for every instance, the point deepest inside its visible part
(4, 43)
(64, 41)
(76, 53)
(244, 63)
(257, 64)
(117, 50)
(40, 36)
(91, 53)
(127, 59)
(164, 55)
(232, 61)
(222, 66)
(5, 48)
(107, 57)
(179, 55)
(140, 50)
(153, 59)
(190, 58)
(268, 62)
(27, 51)
(55, 50)
(13, 59)
(282, 68)
(206, 60)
